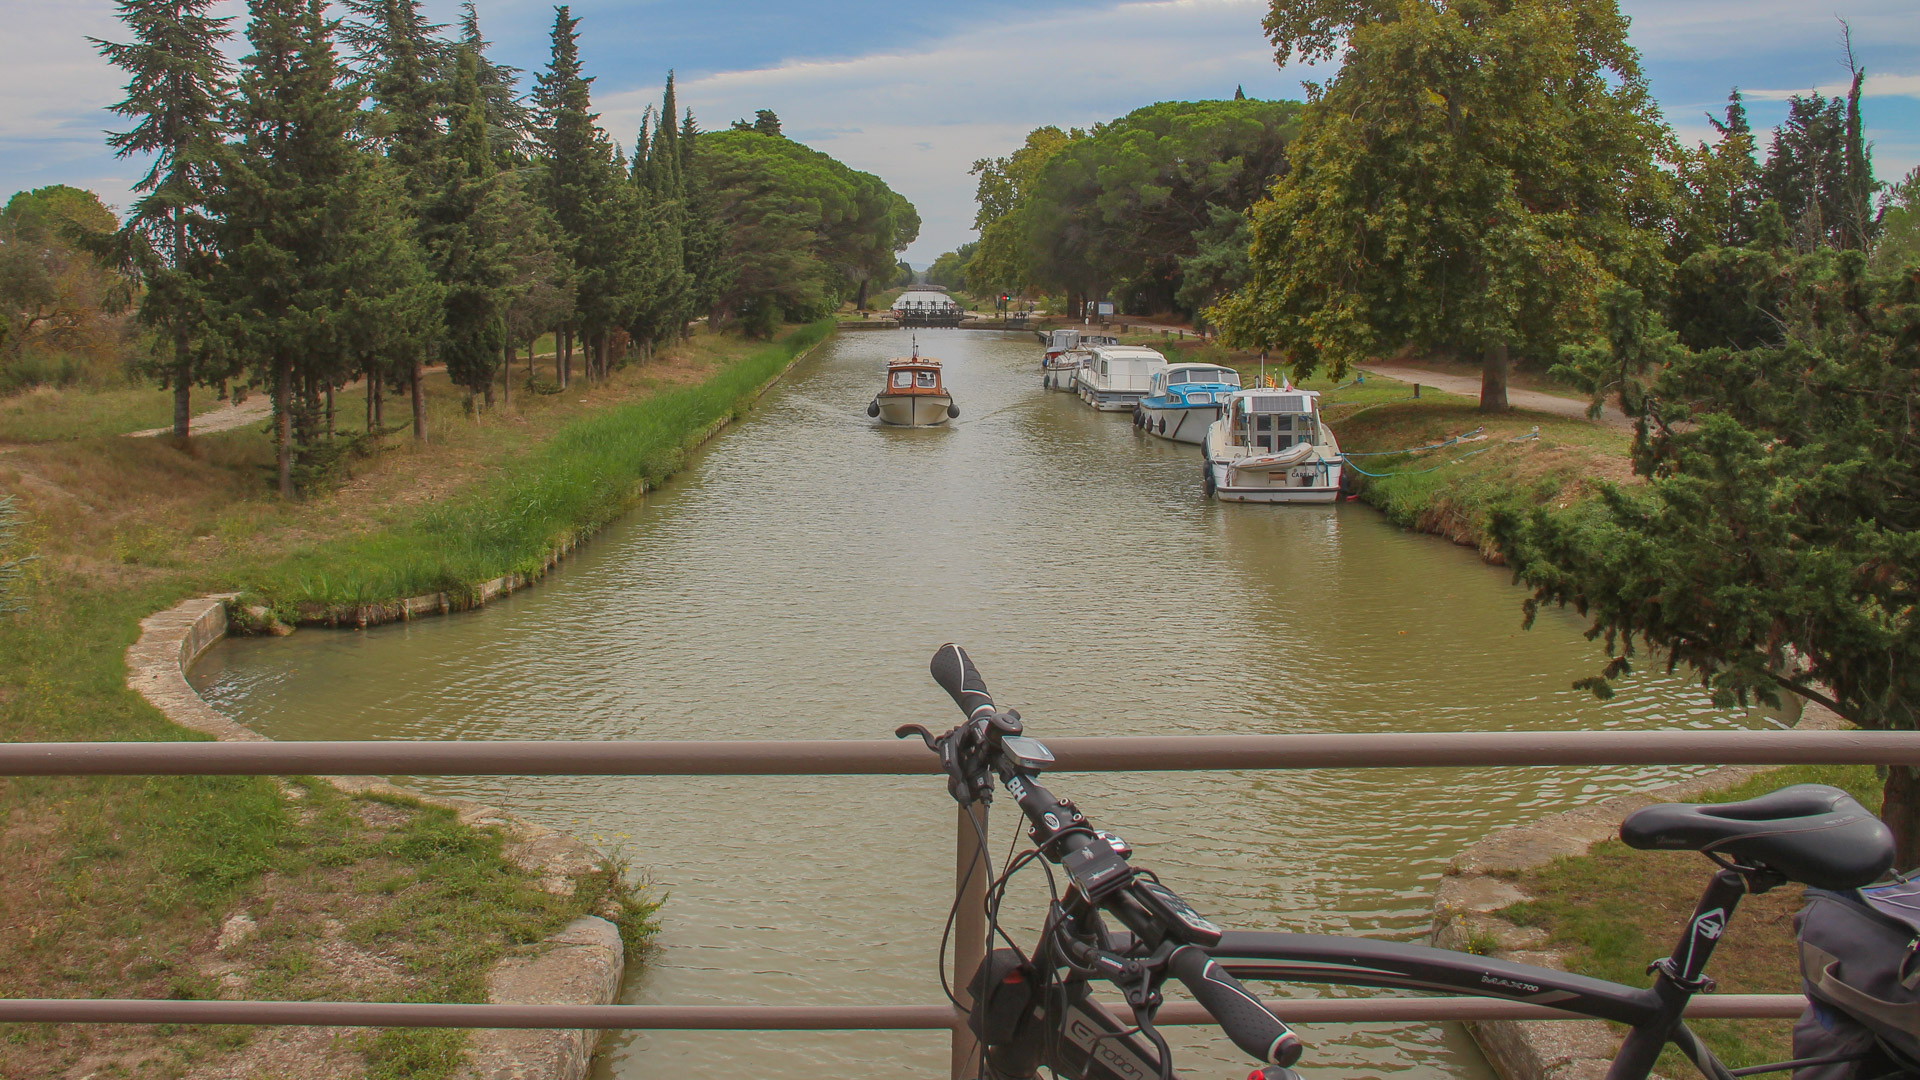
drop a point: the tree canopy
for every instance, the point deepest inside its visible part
(802, 230)
(1474, 178)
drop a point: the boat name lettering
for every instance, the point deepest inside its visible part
(1511, 984)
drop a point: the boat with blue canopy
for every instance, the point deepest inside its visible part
(1184, 399)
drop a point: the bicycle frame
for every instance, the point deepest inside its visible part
(1652, 1013)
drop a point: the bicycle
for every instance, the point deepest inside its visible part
(1033, 1011)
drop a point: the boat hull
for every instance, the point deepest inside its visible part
(1108, 400)
(914, 410)
(1187, 424)
(1059, 378)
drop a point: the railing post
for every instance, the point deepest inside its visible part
(969, 926)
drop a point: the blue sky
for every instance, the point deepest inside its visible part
(916, 92)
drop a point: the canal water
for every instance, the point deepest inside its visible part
(793, 582)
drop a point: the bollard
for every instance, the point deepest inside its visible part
(1416, 391)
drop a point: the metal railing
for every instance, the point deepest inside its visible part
(869, 757)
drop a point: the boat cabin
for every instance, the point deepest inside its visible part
(1194, 384)
(1269, 421)
(915, 376)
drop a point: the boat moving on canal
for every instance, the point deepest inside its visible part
(1184, 400)
(914, 395)
(1271, 446)
(1113, 378)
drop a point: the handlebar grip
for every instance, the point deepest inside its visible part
(1247, 1022)
(955, 673)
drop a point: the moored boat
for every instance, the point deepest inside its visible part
(1184, 399)
(1113, 378)
(915, 395)
(1271, 446)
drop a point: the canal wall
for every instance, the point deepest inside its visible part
(1479, 883)
(581, 964)
(260, 619)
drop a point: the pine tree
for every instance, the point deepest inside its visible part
(175, 93)
(288, 201)
(508, 120)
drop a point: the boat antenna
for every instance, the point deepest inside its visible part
(1263, 367)
(916, 346)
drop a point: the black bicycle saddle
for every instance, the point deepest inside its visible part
(1810, 833)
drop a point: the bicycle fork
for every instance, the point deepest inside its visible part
(1680, 976)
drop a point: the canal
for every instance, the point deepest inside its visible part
(793, 582)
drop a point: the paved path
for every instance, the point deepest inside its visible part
(1469, 386)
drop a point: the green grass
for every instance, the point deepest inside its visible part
(1617, 908)
(45, 414)
(591, 471)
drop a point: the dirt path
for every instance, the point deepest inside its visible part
(1469, 386)
(225, 418)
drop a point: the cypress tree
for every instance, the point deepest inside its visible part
(704, 236)
(464, 230)
(288, 199)
(399, 57)
(176, 89)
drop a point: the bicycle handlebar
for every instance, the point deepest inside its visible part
(954, 671)
(1247, 1022)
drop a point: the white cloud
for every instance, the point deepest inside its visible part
(1875, 86)
(920, 119)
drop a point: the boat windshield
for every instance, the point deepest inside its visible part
(927, 378)
(903, 379)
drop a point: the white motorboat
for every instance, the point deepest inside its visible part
(1271, 446)
(914, 395)
(1184, 399)
(1113, 378)
(1066, 354)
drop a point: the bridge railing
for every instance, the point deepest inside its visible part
(871, 757)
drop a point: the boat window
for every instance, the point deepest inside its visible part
(1265, 442)
(903, 378)
(1200, 397)
(1263, 423)
(1103, 367)
(927, 378)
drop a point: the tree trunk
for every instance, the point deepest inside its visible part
(563, 358)
(182, 386)
(1493, 379)
(506, 377)
(416, 377)
(380, 403)
(283, 428)
(860, 301)
(1900, 809)
(329, 412)
(367, 373)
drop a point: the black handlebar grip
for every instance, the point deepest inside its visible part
(956, 674)
(1247, 1022)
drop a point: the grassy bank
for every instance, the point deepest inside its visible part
(1617, 908)
(1450, 490)
(588, 473)
(121, 887)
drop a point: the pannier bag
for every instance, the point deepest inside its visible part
(1860, 969)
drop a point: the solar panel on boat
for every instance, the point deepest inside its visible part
(1278, 403)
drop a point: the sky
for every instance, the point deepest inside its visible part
(915, 93)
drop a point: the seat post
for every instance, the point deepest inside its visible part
(1680, 976)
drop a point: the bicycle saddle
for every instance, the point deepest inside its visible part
(1810, 833)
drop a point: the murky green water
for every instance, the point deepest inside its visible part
(793, 583)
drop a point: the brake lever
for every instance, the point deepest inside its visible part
(906, 730)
